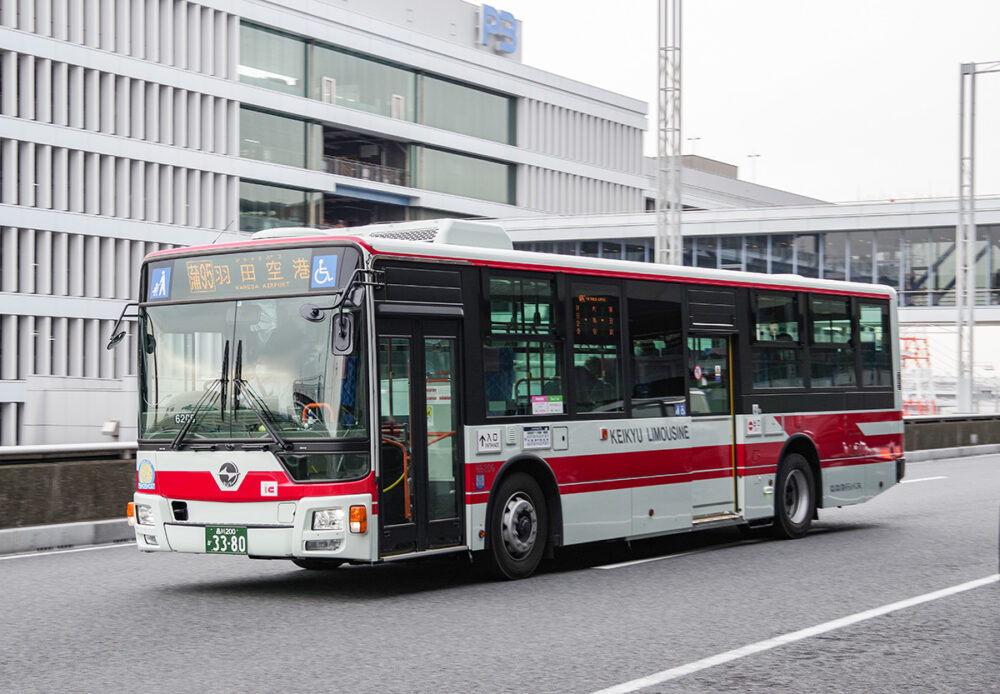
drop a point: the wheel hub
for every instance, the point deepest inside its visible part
(519, 525)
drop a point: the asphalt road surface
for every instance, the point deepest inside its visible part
(706, 612)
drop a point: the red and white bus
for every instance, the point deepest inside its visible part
(402, 390)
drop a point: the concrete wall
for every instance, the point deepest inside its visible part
(43, 493)
(929, 433)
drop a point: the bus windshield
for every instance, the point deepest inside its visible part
(247, 369)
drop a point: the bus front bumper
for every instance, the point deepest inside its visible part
(273, 529)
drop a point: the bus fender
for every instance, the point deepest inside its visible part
(804, 446)
(540, 470)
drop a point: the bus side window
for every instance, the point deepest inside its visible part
(656, 351)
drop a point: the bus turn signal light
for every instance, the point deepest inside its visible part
(359, 520)
(130, 512)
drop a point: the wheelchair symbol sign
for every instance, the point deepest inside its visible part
(324, 271)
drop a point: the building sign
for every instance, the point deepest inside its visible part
(497, 29)
(233, 275)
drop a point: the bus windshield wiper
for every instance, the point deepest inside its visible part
(216, 390)
(210, 395)
(254, 402)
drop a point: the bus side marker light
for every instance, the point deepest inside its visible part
(130, 513)
(359, 520)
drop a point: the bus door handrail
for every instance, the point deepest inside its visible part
(404, 478)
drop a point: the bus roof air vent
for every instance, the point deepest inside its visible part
(457, 232)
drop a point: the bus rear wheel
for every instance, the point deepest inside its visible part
(794, 498)
(518, 529)
(318, 564)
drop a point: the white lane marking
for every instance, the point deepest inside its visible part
(784, 639)
(923, 479)
(634, 562)
(46, 553)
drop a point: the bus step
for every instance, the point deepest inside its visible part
(716, 518)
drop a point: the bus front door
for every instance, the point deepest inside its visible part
(420, 465)
(713, 490)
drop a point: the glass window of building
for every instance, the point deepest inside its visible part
(346, 79)
(590, 249)
(782, 254)
(611, 250)
(756, 250)
(457, 174)
(731, 253)
(917, 258)
(993, 258)
(942, 242)
(637, 252)
(271, 59)
(835, 255)
(983, 274)
(887, 257)
(565, 247)
(688, 251)
(467, 110)
(265, 207)
(807, 255)
(272, 138)
(706, 251)
(862, 255)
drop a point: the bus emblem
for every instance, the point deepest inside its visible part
(229, 474)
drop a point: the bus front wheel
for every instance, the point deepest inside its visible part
(519, 527)
(794, 498)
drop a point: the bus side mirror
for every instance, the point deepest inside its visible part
(343, 333)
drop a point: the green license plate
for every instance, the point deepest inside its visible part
(225, 539)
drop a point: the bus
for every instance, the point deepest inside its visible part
(410, 389)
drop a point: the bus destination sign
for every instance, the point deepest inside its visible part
(234, 275)
(594, 317)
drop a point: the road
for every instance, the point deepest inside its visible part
(112, 619)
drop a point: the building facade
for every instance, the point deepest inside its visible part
(129, 126)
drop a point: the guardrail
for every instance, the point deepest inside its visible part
(64, 452)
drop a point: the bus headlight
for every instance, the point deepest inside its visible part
(144, 514)
(328, 519)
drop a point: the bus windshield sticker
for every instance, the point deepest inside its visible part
(546, 404)
(536, 438)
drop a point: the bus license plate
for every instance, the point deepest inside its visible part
(223, 539)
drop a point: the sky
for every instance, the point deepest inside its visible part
(842, 101)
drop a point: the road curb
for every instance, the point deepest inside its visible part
(37, 538)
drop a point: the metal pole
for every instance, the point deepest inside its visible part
(669, 244)
(965, 234)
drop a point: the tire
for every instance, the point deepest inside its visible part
(318, 564)
(518, 528)
(794, 498)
